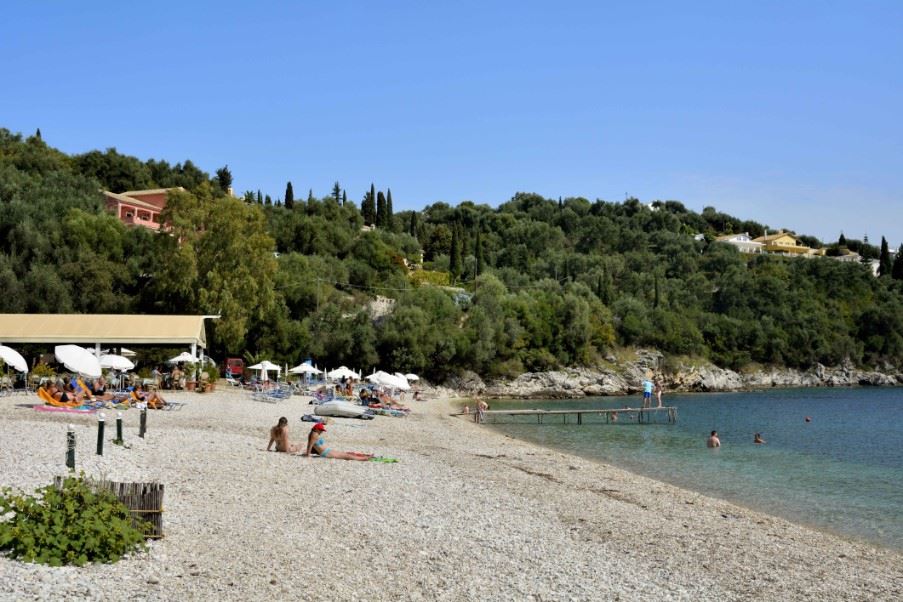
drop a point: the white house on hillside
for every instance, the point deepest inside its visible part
(743, 242)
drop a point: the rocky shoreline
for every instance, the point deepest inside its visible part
(625, 378)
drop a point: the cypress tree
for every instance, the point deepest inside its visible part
(478, 252)
(289, 196)
(37, 134)
(412, 226)
(267, 200)
(381, 210)
(454, 262)
(368, 209)
(310, 196)
(259, 197)
(337, 192)
(842, 241)
(897, 271)
(885, 266)
(389, 208)
(344, 198)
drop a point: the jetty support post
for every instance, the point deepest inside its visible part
(142, 423)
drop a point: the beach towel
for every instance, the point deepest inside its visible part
(384, 460)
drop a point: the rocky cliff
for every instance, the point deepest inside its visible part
(625, 378)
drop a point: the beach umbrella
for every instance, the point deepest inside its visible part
(116, 362)
(402, 381)
(304, 369)
(78, 359)
(342, 372)
(126, 352)
(13, 358)
(183, 357)
(412, 377)
(266, 366)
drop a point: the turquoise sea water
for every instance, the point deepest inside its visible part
(842, 472)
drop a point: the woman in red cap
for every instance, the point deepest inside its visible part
(317, 445)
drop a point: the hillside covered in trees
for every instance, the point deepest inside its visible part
(530, 285)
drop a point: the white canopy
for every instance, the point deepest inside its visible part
(412, 377)
(264, 367)
(79, 360)
(116, 362)
(126, 352)
(305, 369)
(343, 372)
(13, 358)
(388, 380)
(182, 358)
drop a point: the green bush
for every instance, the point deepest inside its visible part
(72, 525)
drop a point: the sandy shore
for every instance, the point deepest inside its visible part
(466, 514)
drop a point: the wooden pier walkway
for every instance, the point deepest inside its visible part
(643, 415)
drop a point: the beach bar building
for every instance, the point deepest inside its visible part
(105, 329)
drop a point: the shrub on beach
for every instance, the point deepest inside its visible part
(72, 525)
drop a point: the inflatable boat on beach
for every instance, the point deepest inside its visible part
(341, 409)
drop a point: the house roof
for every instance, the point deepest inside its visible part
(732, 237)
(772, 237)
(102, 328)
(123, 198)
(150, 191)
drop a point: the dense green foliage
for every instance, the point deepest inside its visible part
(542, 283)
(69, 525)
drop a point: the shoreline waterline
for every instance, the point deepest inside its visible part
(839, 474)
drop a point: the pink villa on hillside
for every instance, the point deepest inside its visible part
(139, 207)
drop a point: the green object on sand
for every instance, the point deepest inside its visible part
(384, 460)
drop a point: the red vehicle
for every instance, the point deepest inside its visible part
(234, 367)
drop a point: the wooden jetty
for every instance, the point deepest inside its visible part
(643, 415)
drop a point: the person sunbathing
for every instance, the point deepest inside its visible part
(99, 389)
(317, 445)
(279, 436)
(153, 399)
(61, 396)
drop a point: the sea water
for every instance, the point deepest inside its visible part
(842, 472)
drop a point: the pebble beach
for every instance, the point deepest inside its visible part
(465, 514)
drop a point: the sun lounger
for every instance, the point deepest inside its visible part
(45, 396)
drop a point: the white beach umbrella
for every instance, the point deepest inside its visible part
(402, 381)
(342, 372)
(266, 366)
(305, 369)
(126, 352)
(412, 377)
(116, 362)
(78, 359)
(182, 358)
(13, 358)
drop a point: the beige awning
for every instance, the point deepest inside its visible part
(102, 328)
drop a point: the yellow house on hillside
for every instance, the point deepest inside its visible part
(783, 243)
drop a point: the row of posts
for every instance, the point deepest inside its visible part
(101, 426)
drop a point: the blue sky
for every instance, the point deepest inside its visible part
(788, 113)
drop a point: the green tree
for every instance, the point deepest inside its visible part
(885, 264)
(289, 196)
(337, 192)
(381, 210)
(344, 198)
(897, 269)
(389, 211)
(455, 264)
(224, 179)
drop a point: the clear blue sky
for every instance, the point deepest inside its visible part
(789, 113)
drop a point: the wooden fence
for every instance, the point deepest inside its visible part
(143, 500)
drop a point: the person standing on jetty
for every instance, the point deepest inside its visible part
(647, 393)
(659, 389)
(713, 440)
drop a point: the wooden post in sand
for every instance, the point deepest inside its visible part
(70, 447)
